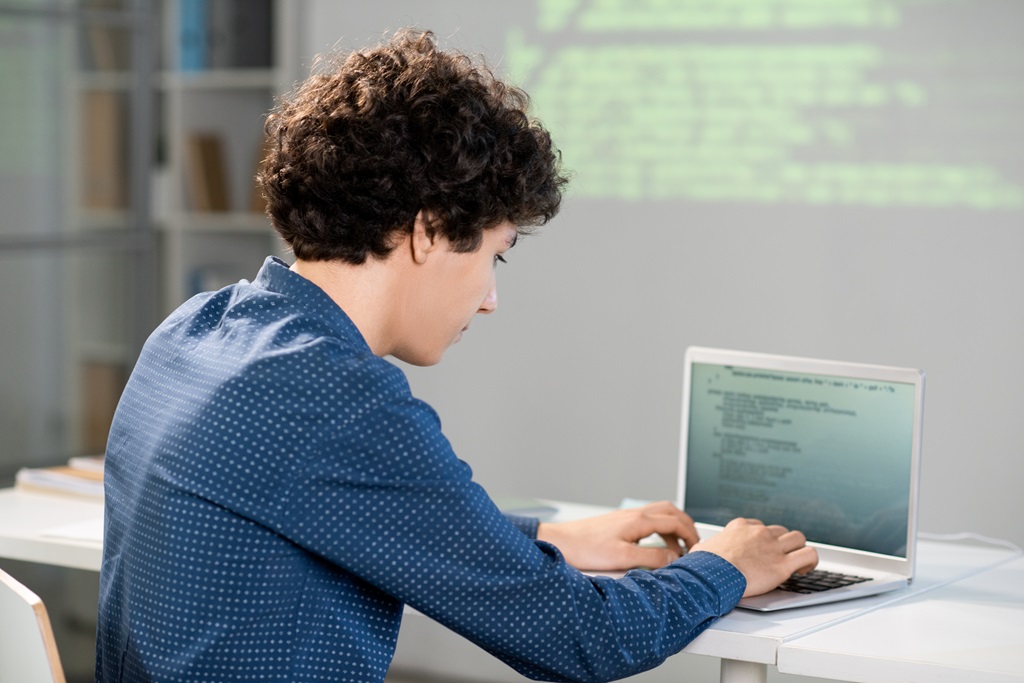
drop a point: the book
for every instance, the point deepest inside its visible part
(192, 35)
(101, 384)
(104, 154)
(90, 463)
(104, 46)
(206, 174)
(239, 34)
(108, 48)
(66, 480)
(225, 34)
(257, 202)
(108, 45)
(210, 278)
(525, 507)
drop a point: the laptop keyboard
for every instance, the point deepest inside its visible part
(819, 580)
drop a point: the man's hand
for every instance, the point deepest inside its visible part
(765, 555)
(609, 542)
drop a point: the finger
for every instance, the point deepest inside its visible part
(659, 507)
(777, 531)
(791, 540)
(667, 526)
(676, 546)
(651, 557)
(803, 560)
(683, 529)
(665, 507)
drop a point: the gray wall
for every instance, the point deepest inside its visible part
(572, 390)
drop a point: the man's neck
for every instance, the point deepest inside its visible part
(368, 293)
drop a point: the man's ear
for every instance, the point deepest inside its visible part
(424, 237)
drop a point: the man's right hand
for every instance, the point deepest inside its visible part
(765, 555)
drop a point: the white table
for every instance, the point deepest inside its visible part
(51, 529)
(971, 630)
(748, 642)
(67, 532)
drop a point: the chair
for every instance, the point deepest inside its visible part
(28, 652)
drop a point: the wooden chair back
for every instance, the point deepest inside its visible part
(28, 652)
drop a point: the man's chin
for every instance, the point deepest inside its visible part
(421, 360)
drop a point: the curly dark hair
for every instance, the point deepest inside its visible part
(362, 146)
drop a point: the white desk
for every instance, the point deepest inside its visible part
(67, 532)
(756, 639)
(970, 631)
(747, 642)
(55, 530)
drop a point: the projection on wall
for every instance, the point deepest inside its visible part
(884, 103)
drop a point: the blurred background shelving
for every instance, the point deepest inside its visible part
(111, 215)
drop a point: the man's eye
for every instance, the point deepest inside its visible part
(498, 258)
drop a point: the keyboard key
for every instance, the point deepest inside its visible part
(819, 580)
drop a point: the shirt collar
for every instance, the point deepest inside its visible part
(276, 276)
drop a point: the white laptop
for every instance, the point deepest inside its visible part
(829, 448)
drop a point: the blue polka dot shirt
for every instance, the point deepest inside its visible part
(275, 495)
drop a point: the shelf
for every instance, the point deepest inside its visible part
(221, 79)
(104, 80)
(233, 222)
(105, 352)
(101, 220)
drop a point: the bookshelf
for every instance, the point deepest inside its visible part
(223, 62)
(167, 103)
(103, 255)
(106, 228)
(95, 245)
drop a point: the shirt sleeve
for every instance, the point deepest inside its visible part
(528, 525)
(404, 515)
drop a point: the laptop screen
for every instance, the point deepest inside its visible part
(828, 455)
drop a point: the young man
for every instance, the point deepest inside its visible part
(275, 494)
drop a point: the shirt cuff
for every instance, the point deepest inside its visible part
(718, 573)
(528, 525)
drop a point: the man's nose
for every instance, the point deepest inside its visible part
(490, 302)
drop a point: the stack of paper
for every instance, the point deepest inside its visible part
(82, 476)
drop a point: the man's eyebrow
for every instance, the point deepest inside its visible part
(513, 240)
